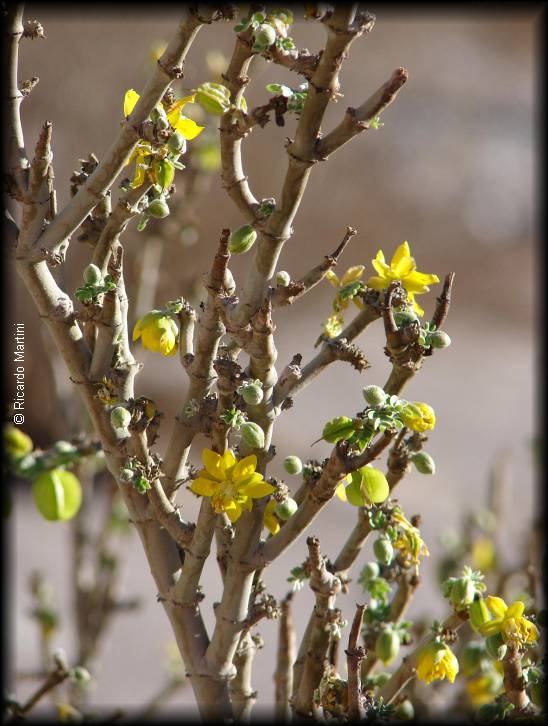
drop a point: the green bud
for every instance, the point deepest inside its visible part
(92, 275)
(424, 463)
(158, 208)
(353, 491)
(370, 570)
(283, 278)
(159, 116)
(384, 552)
(405, 711)
(439, 339)
(164, 172)
(242, 239)
(496, 647)
(253, 435)
(252, 393)
(16, 442)
(462, 594)
(126, 475)
(479, 614)
(293, 465)
(387, 645)
(57, 495)
(381, 679)
(120, 418)
(374, 395)
(471, 657)
(265, 35)
(80, 675)
(374, 485)
(177, 142)
(286, 509)
(404, 317)
(64, 447)
(213, 98)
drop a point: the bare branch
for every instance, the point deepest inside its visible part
(354, 657)
(283, 677)
(17, 162)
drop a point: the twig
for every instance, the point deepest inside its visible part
(283, 677)
(354, 656)
(514, 683)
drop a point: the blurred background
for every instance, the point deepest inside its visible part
(452, 171)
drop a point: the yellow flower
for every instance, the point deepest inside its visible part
(270, 520)
(419, 416)
(402, 267)
(409, 541)
(437, 661)
(333, 325)
(509, 622)
(353, 274)
(158, 332)
(483, 554)
(231, 484)
(186, 126)
(484, 688)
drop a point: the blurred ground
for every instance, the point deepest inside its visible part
(452, 171)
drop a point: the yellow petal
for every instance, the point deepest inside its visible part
(188, 128)
(203, 487)
(130, 101)
(515, 610)
(137, 329)
(140, 171)
(244, 468)
(353, 274)
(416, 307)
(258, 490)
(377, 283)
(341, 492)
(380, 265)
(214, 464)
(233, 511)
(402, 251)
(358, 303)
(228, 460)
(496, 605)
(404, 267)
(333, 279)
(174, 112)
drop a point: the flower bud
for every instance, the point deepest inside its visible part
(404, 317)
(80, 675)
(353, 491)
(92, 275)
(158, 208)
(57, 495)
(462, 593)
(120, 418)
(387, 645)
(283, 278)
(496, 647)
(374, 395)
(16, 442)
(439, 339)
(126, 475)
(253, 435)
(471, 657)
(286, 509)
(213, 98)
(59, 658)
(158, 115)
(405, 711)
(293, 465)
(479, 614)
(424, 463)
(374, 485)
(242, 239)
(252, 393)
(384, 552)
(177, 142)
(265, 35)
(63, 447)
(370, 570)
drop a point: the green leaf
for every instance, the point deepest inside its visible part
(338, 429)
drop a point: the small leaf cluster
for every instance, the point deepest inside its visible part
(233, 418)
(295, 102)
(90, 291)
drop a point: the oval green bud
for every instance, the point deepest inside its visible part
(374, 395)
(387, 645)
(293, 465)
(16, 442)
(374, 485)
(252, 394)
(353, 491)
(164, 173)
(405, 317)
(57, 495)
(265, 35)
(479, 614)
(120, 418)
(405, 711)
(177, 142)
(126, 475)
(80, 674)
(159, 116)
(213, 98)
(283, 278)
(424, 463)
(253, 435)
(462, 594)
(471, 657)
(92, 275)
(439, 339)
(496, 647)
(286, 509)
(384, 552)
(242, 239)
(370, 570)
(158, 208)
(381, 679)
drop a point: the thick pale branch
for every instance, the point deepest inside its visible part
(16, 157)
(283, 677)
(354, 657)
